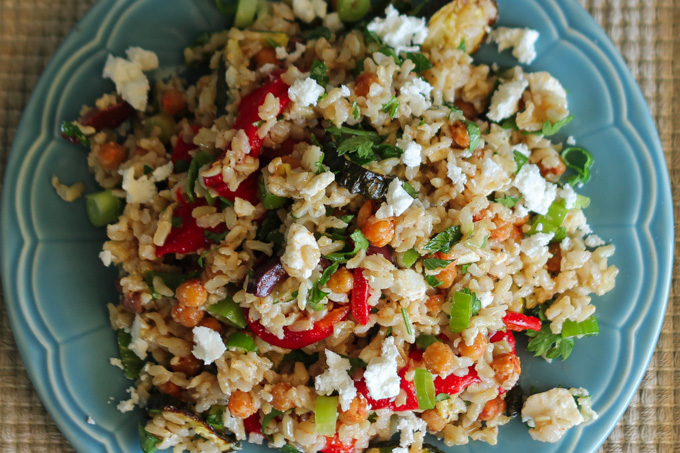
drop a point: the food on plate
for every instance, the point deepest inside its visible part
(335, 233)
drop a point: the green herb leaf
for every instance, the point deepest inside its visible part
(544, 342)
(268, 418)
(360, 149)
(475, 135)
(464, 268)
(215, 237)
(176, 222)
(132, 364)
(148, 442)
(426, 340)
(319, 72)
(298, 355)
(391, 107)
(316, 295)
(215, 417)
(387, 151)
(585, 328)
(346, 218)
(443, 241)
(338, 131)
(315, 33)
(435, 263)
(71, 130)
(354, 362)
(520, 159)
(360, 243)
(507, 201)
(421, 61)
(409, 258)
(355, 110)
(550, 128)
(453, 109)
(410, 190)
(288, 448)
(407, 322)
(462, 46)
(432, 281)
(509, 123)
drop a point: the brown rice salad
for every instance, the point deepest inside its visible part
(332, 236)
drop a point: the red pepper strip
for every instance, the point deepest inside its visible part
(182, 148)
(299, 339)
(407, 386)
(188, 237)
(452, 384)
(359, 299)
(252, 424)
(507, 335)
(109, 117)
(247, 190)
(249, 114)
(519, 322)
(333, 445)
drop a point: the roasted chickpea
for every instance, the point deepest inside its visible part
(280, 399)
(507, 367)
(448, 275)
(341, 281)
(173, 102)
(211, 323)
(189, 365)
(362, 85)
(357, 412)
(111, 155)
(434, 303)
(460, 134)
(365, 212)
(492, 409)
(435, 422)
(192, 293)
(503, 230)
(438, 358)
(476, 349)
(187, 316)
(170, 388)
(557, 170)
(241, 404)
(516, 234)
(379, 232)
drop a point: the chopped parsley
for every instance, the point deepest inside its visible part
(72, 131)
(507, 201)
(355, 110)
(360, 243)
(421, 61)
(520, 159)
(443, 241)
(391, 107)
(435, 263)
(319, 72)
(432, 281)
(475, 135)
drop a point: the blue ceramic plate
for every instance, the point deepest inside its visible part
(57, 289)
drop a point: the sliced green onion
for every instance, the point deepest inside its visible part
(245, 13)
(353, 10)
(102, 207)
(326, 414)
(269, 200)
(584, 328)
(582, 202)
(164, 122)
(424, 383)
(426, 340)
(132, 364)
(215, 417)
(409, 258)
(433, 281)
(552, 219)
(407, 322)
(200, 159)
(462, 308)
(579, 160)
(242, 341)
(228, 311)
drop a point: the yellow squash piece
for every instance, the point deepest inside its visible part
(461, 21)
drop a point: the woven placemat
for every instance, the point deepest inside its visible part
(647, 32)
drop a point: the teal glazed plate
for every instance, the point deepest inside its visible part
(57, 289)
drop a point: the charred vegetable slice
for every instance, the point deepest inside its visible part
(458, 24)
(513, 402)
(266, 277)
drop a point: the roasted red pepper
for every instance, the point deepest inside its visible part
(452, 384)
(519, 322)
(359, 299)
(249, 114)
(182, 148)
(252, 424)
(504, 335)
(247, 190)
(407, 386)
(333, 445)
(188, 237)
(299, 339)
(109, 117)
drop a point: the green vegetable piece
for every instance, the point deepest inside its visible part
(215, 417)
(288, 448)
(241, 341)
(426, 340)
(552, 220)
(268, 418)
(509, 123)
(319, 72)
(229, 312)
(424, 383)
(316, 295)
(464, 268)
(582, 202)
(360, 149)
(409, 258)
(148, 443)
(475, 135)
(464, 305)
(71, 130)
(326, 414)
(227, 7)
(585, 328)
(132, 364)
(269, 200)
(544, 342)
(245, 13)
(200, 159)
(354, 362)
(462, 46)
(407, 322)
(507, 201)
(353, 10)
(392, 107)
(355, 110)
(387, 151)
(421, 61)
(170, 280)
(410, 190)
(432, 281)
(442, 397)
(215, 237)
(580, 161)
(316, 33)
(435, 263)
(520, 159)
(102, 207)
(360, 243)
(550, 128)
(443, 241)
(162, 124)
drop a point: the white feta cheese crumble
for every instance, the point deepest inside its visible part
(129, 405)
(209, 345)
(105, 256)
(412, 152)
(302, 252)
(128, 75)
(455, 173)
(408, 425)
(522, 39)
(308, 10)
(140, 190)
(536, 245)
(409, 285)
(505, 100)
(402, 32)
(537, 192)
(137, 344)
(90, 421)
(398, 201)
(416, 92)
(571, 141)
(522, 149)
(490, 169)
(568, 195)
(381, 375)
(163, 172)
(305, 92)
(336, 377)
(594, 240)
(550, 414)
(281, 53)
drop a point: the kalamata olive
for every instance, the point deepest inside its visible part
(266, 277)
(109, 117)
(385, 251)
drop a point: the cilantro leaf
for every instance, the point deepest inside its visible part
(410, 190)
(520, 159)
(475, 135)
(453, 109)
(544, 342)
(391, 107)
(443, 241)
(215, 237)
(360, 243)
(319, 72)
(507, 201)
(421, 61)
(316, 33)
(355, 110)
(316, 295)
(432, 281)
(435, 263)
(550, 128)
(462, 46)
(386, 151)
(360, 149)
(509, 123)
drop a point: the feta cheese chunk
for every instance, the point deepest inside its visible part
(412, 152)
(454, 172)
(106, 257)
(381, 375)
(568, 195)
(550, 414)
(398, 201)
(536, 245)
(302, 252)
(209, 345)
(138, 345)
(408, 425)
(594, 241)
(336, 377)
(505, 100)
(537, 192)
(409, 285)
(128, 75)
(399, 31)
(416, 92)
(305, 92)
(140, 190)
(522, 39)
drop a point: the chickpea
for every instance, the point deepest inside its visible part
(434, 303)
(187, 316)
(502, 231)
(460, 134)
(280, 399)
(132, 302)
(189, 365)
(435, 422)
(507, 367)
(492, 409)
(111, 155)
(266, 55)
(557, 171)
(481, 215)
(170, 388)
(365, 212)
(192, 293)
(379, 232)
(357, 412)
(211, 323)
(362, 85)
(438, 358)
(341, 281)
(554, 263)
(241, 404)
(516, 234)
(476, 349)
(173, 102)
(448, 275)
